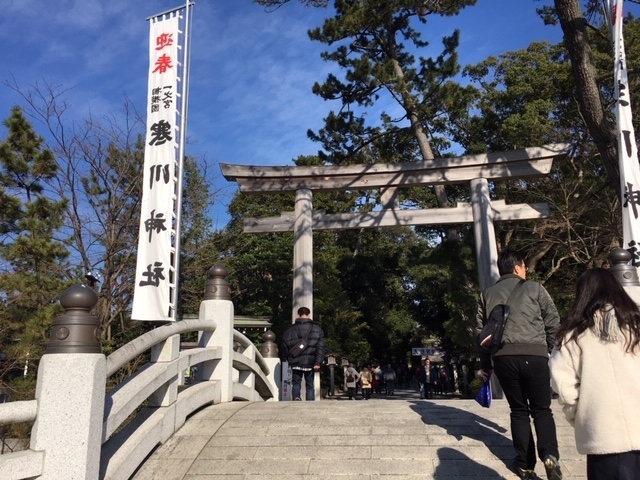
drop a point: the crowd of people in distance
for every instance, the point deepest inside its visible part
(376, 379)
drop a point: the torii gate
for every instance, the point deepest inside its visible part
(475, 169)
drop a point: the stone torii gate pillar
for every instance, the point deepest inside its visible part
(476, 169)
(302, 252)
(484, 233)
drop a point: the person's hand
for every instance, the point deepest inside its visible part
(485, 374)
(316, 367)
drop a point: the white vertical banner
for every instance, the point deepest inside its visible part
(627, 148)
(154, 294)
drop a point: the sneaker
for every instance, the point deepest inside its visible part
(552, 467)
(297, 399)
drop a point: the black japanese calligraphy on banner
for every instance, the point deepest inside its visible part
(155, 223)
(161, 97)
(161, 133)
(627, 149)
(167, 97)
(632, 248)
(152, 275)
(159, 173)
(154, 282)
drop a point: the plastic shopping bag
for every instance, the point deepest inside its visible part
(484, 394)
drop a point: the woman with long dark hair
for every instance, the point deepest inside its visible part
(595, 369)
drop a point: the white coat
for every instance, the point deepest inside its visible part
(598, 385)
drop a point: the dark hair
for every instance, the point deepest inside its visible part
(597, 287)
(304, 311)
(508, 259)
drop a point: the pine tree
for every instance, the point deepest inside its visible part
(33, 268)
(375, 41)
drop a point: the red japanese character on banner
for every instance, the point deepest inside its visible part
(164, 40)
(162, 63)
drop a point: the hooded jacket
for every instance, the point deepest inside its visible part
(314, 353)
(533, 318)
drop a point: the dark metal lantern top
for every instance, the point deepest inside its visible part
(269, 348)
(217, 288)
(76, 330)
(626, 274)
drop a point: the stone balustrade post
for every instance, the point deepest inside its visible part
(248, 377)
(70, 392)
(269, 351)
(167, 351)
(217, 307)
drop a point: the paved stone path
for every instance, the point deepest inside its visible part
(385, 438)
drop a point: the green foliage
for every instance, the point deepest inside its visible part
(374, 43)
(198, 251)
(259, 265)
(274, 4)
(110, 184)
(445, 295)
(377, 65)
(525, 98)
(32, 260)
(342, 323)
(372, 272)
(377, 292)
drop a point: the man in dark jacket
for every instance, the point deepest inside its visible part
(309, 361)
(522, 364)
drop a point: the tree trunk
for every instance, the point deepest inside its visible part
(423, 143)
(600, 127)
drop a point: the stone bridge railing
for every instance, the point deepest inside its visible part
(82, 433)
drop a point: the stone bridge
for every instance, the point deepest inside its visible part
(228, 423)
(386, 438)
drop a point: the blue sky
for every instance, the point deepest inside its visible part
(250, 99)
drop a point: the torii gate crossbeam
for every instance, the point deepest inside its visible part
(475, 169)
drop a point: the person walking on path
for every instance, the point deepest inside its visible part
(352, 378)
(522, 364)
(374, 382)
(304, 365)
(365, 381)
(595, 369)
(389, 377)
(425, 379)
(434, 377)
(379, 381)
(444, 380)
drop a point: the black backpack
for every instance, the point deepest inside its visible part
(490, 338)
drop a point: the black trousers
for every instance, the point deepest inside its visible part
(614, 466)
(428, 390)
(526, 382)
